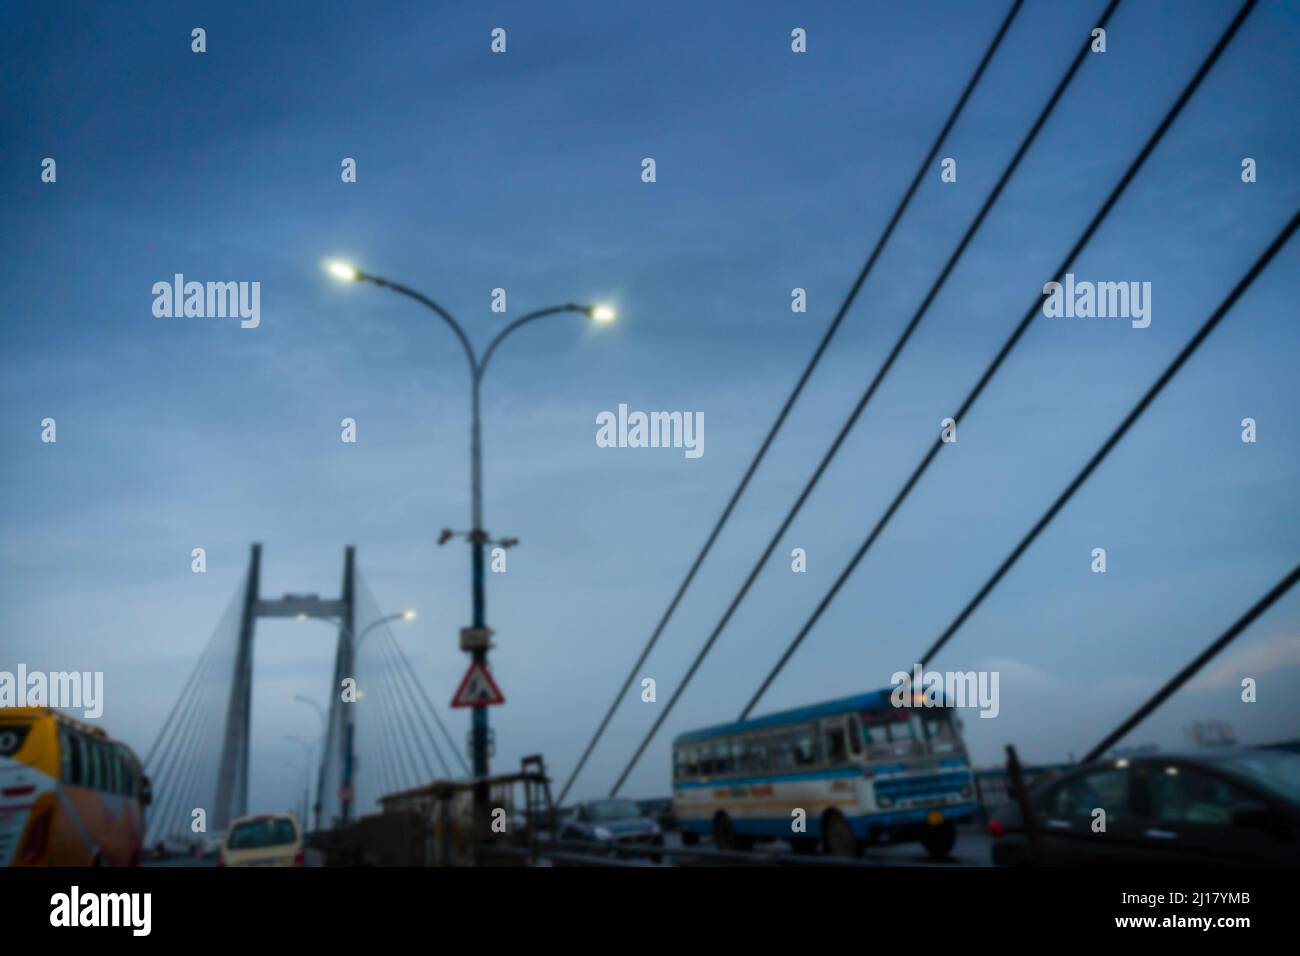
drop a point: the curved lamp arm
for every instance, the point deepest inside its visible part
(524, 320)
(430, 304)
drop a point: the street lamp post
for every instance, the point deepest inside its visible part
(355, 642)
(324, 730)
(476, 536)
(306, 771)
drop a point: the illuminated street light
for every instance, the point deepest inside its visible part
(478, 538)
(343, 271)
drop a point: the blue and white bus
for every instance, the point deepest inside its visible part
(861, 770)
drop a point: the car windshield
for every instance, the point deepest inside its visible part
(606, 810)
(1277, 771)
(256, 834)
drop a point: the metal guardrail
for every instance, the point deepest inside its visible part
(529, 855)
(593, 854)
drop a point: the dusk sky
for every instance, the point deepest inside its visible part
(522, 170)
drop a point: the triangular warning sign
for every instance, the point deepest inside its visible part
(477, 688)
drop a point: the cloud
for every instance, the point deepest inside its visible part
(1272, 654)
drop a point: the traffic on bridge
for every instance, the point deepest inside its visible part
(989, 559)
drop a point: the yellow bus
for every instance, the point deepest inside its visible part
(69, 794)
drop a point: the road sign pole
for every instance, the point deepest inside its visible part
(479, 721)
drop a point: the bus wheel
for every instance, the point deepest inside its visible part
(838, 836)
(724, 834)
(938, 841)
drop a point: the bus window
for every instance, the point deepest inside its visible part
(742, 754)
(67, 773)
(855, 735)
(779, 751)
(706, 760)
(833, 739)
(679, 763)
(900, 729)
(755, 753)
(805, 748)
(873, 730)
(883, 727)
(737, 755)
(939, 731)
(97, 769)
(87, 761)
(722, 757)
(693, 762)
(78, 758)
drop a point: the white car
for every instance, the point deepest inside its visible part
(272, 839)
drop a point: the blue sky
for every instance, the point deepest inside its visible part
(522, 171)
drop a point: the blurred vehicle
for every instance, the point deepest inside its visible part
(70, 795)
(174, 846)
(272, 839)
(869, 770)
(211, 843)
(613, 822)
(660, 810)
(1215, 806)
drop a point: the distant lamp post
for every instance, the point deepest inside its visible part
(306, 774)
(324, 724)
(476, 536)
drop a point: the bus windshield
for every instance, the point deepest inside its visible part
(940, 733)
(12, 736)
(886, 726)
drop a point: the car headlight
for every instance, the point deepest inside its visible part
(602, 834)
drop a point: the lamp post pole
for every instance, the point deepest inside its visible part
(355, 643)
(324, 731)
(476, 536)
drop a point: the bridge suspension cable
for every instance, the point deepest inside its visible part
(1206, 66)
(1184, 675)
(1238, 290)
(793, 397)
(1007, 174)
(407, 684)
(172, 761)
(404, 680)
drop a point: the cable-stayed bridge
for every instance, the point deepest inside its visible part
(372, 743)
(394, 737)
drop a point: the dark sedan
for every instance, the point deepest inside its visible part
(1229, 806)
(614, 823)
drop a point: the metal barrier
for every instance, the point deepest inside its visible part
(594, 854)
